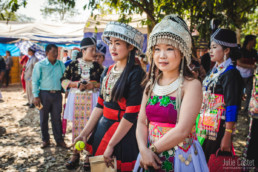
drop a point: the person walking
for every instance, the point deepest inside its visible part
(9, 64)
(28, 74)
(2, 71)
(23, 62)
(46, 88)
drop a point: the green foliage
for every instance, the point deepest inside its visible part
(9, 7)
(232, 13)
(250, 27)
(62, 8)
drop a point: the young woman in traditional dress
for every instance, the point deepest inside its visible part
(171, 102)
(221, 94)
(112, 123)
(82, 77)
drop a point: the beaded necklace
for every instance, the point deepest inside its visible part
(166, 89)
(84, 69)
(109, 82)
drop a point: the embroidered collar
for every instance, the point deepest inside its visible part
(217, 70)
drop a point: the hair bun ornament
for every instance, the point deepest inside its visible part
(124, 32)
(174, 31)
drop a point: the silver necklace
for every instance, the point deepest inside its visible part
(166, 89)
(84, 69)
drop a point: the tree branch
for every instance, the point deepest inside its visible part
(144, 9)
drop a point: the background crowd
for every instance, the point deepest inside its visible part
(107, 106)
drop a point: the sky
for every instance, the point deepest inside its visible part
(33, 7)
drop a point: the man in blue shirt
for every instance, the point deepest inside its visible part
(46, 89)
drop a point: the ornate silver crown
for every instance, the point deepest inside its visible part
(124, 32)
(173, 31)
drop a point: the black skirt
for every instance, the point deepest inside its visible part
(126, 151)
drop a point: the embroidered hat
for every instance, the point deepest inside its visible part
(100, 48)
(172, 30)
(124, 32)
(224, 37)
(87, 42)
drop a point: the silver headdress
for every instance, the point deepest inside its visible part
(124, 32)
(172, 30)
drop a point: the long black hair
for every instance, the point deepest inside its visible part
(119, 88)
(234, 53)
(247, 39)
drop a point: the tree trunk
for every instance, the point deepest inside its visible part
(150, 26)
(238, 35)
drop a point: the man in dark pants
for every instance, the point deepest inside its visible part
(9, 64)
(46, 89)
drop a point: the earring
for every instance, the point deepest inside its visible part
(225, 57)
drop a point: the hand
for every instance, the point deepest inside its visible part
(73, 85)
(149, 158)
(226, 142)
(107, 156)
(82, 87)
(36, 101)
(79, 138)
(89, 86)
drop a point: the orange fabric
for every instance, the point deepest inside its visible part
(100, 101)
(89, 148)
(105, 140)
(133, 109)
(112, 114)
(125, 166)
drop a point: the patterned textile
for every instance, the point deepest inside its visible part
(210, 116)
(253, 106)
(82, 111)
(72, 72)
(187, 155)
(229, 87)
(25, 45)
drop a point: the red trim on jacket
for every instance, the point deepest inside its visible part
(112, 113)
(100, 101)
(133, 109)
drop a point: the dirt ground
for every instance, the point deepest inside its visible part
(20, 137)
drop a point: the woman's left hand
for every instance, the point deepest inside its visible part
(226, 142)
(89, 86)
(108, 156)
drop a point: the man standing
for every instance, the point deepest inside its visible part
(28, 74)
(46, 88)
(9, 64)
(2, 70)
(246, 65)
(66, 57)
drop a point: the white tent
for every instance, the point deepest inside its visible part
(46, 32)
